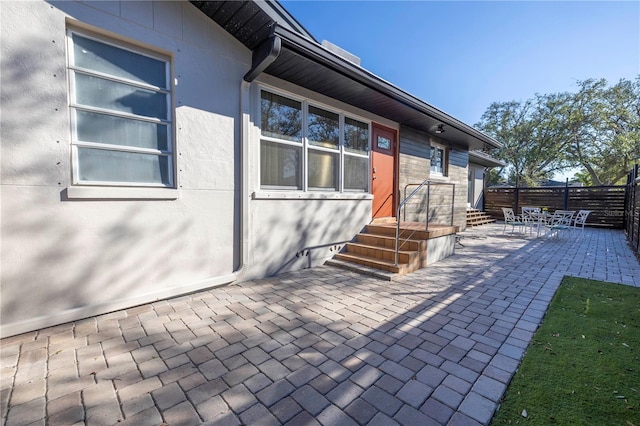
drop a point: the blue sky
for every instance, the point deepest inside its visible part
(460, 56)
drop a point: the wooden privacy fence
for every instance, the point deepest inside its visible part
(607, 203)
(632, 208)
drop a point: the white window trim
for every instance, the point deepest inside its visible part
(110, 186)
(120, 193)
(445, 161)
(270, 192)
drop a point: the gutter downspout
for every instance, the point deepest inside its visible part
(262, 57)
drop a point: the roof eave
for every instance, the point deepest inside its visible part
(316, 52)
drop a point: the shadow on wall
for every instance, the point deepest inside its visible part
(64, 266)
(439, 206)
(59, 255)
(310, 237)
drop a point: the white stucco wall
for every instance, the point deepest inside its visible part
(290, 230)
(65, 259)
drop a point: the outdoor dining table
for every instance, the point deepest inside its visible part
(543, 218)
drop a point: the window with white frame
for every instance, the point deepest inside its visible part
(120, 102)
(305, 146)
(438, 160)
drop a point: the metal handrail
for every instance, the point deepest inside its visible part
(403, 202)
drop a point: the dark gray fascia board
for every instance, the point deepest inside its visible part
(316, 52)
(282, 17)
(484, 159)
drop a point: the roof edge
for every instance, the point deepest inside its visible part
(313, 50)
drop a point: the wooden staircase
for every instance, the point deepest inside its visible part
(372, 251)
(476, 217)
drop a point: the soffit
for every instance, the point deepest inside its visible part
(304, 62)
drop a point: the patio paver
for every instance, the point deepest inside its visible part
(319, 346)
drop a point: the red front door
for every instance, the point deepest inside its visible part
(383, 162)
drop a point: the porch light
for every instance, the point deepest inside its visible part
(440, 129)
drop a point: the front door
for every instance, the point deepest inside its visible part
(383, 161)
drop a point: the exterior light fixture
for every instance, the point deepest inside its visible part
(440, 129)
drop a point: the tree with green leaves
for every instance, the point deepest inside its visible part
(603, 125)
(527, 131)
(596, 129)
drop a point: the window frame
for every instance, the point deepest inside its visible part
(445, 160)
(307, 147)
(73, 70)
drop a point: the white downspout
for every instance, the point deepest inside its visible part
(262, 57)
(245, 126)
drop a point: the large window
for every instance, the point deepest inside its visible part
(308, 147)
(120, 114)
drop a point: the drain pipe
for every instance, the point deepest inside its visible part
(262, 57)
(245, 119)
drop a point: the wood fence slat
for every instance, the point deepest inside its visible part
(607, 203)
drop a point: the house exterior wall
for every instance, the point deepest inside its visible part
(291, 230)
(414, 164)
(64, 259)
(477, 175)
(67, 252)
(70, 252)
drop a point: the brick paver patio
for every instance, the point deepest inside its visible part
(320, 346)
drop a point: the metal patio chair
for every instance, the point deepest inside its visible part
(510, 218)
(530, 217)
(580, 220)
(562, 220)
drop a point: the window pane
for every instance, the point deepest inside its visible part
(117, 166)
(323, 170)
(100, 128)
(324, 128)
(280, 165)
(437, 160)
(118, 62)
(356, 173)
(356, 136)
(281, 117)
(101, 93)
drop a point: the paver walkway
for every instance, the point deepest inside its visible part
(320, 346)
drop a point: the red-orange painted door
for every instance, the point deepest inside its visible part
(383, 163)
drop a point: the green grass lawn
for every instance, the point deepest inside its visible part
(583, 364)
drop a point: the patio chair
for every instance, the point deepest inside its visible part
(510, 218)
(530, 217)
(561, 220)
(580, 220)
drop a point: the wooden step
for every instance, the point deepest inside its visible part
(385, 265)
(414, 233)
(476, 217)
(389, 242)
(375, 252)
(374, 248)
(363, 269)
